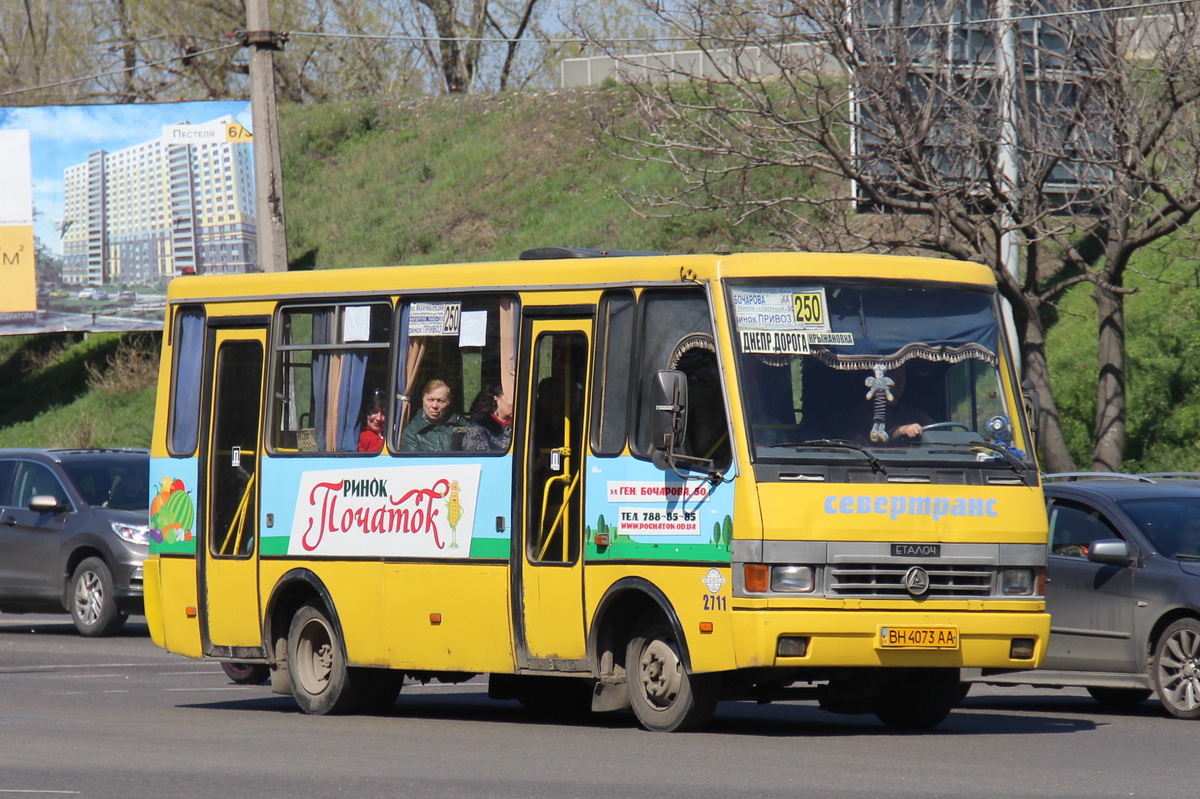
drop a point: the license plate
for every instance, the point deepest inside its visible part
(918, 637)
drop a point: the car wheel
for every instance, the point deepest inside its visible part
(1177, 669)
(322, 683)
(917, 699)
(93, 606)
(664, 696)
(1119, 697)
(247, 673)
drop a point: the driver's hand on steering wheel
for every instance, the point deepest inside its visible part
(913, 430)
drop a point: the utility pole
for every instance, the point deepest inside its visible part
(268, 169)
(1006, 151)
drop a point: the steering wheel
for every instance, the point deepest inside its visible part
(946, 426)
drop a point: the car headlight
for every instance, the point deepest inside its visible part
(1016, 582)
(133, 533)
(792, 579)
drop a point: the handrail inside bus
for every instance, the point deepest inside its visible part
(238, 522)
(548, 534)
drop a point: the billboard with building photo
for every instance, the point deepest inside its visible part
(104, 204)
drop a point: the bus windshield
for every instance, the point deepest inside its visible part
(898, 371)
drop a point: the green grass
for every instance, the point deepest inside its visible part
(72, 390)
(474, 178)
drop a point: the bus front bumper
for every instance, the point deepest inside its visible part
(890, 638)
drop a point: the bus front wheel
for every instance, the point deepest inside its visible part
(664, 695)
(918, 699)
(321, 681)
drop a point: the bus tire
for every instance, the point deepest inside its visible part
(917, 699)
(380, 688)
(562, 698)
(322, 683)
(665, 697)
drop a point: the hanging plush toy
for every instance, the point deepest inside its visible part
(879, 389)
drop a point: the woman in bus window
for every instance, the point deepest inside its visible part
(433, 428)
(371, 438)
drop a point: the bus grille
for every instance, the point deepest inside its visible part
(887, 580)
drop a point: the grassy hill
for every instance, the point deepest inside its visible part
(471, 178)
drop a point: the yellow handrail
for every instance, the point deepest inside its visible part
(238, 522)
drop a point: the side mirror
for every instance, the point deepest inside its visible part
(44, 503)
(668, 409)
(1033, 403)
(1110, 551)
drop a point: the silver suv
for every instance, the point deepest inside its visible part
(1123, 590)
(73, 534)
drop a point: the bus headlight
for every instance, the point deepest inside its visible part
(1016, 582)
(792, 579)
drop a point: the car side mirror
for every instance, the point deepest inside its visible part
(44, 503)
(1110, 551)
(668, 409)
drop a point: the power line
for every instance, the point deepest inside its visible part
(98, 75)
(427, 39)
(645, 40)
(1033, 17)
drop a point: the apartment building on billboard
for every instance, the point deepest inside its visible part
(158, 209)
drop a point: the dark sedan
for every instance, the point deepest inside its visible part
(1123, 590)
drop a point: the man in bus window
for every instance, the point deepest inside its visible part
(491, 422)
(433, 428)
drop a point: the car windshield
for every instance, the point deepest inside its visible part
(119, 482)
(830, 370)
(1171, 524)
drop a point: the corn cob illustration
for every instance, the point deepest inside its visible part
(454, 512)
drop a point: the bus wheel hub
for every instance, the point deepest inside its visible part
(661, 673)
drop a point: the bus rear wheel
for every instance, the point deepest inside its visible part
(322, 683)
(917, 699)
(665, 697)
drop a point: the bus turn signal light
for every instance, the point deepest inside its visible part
(758, 578)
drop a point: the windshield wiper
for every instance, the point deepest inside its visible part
(836, 443)
(1017, 464)
(1186, 556)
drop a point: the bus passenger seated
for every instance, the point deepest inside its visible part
(433, 427)
(371, 438)
(491, 422)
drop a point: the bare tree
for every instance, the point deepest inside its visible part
(889, 126)
(43, 43)
(170, 50)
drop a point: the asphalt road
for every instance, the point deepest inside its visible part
(118, 717)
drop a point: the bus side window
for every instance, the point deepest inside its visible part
(186, 372)
(676, 333)
(467, 342)
(614, 354)
(331, 359)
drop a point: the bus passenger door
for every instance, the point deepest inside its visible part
(228, 550)
(548, 597)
